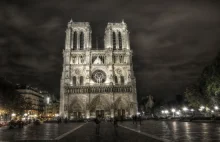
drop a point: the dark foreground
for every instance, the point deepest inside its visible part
(149, 131)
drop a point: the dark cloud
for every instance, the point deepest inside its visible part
(172, 41)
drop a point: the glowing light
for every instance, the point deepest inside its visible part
(48, 100)
(185, 108)
(192, 110)
(173, 110)
(25, 114)
(216, 107)
(178, 112)
(56, 115)
(13, 114)
(212, 111)
(162, 111)
(166, 111)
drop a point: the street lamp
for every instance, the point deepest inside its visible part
(173, 110)
(185, 109)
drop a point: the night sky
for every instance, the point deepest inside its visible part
(172, 40)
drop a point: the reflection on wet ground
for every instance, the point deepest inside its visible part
(148, 131)
(45, 131)
(179, 131)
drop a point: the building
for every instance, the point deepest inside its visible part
(51, 104)
(97, 81)
(33, 99)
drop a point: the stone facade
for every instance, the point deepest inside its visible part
(97, 82)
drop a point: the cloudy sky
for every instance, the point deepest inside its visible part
(172, 40)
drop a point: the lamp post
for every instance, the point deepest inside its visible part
(47, 105)
(166, 112)
(185, 109)
(173, 111)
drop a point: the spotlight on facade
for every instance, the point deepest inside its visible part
(216, 107)
(48, 100)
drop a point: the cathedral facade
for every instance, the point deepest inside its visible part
(97, 81)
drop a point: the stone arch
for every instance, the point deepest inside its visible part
(100, 102)
(77, 105)
(121, 103)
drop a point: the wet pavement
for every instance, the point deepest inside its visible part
(150, 130)
(46, 131)
(107, 134)
(179, 131)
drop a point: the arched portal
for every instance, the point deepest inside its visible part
(76, 109)
(121, 107)
(99, 106)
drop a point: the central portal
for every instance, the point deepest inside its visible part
(100, 113)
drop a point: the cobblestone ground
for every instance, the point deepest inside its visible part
(179, 131)
(107, 134)
(46, 131)
(148, 131)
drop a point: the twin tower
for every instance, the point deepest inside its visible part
(97, 82)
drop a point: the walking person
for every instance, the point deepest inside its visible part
(140, 119)
(97, 121)
(115, 122)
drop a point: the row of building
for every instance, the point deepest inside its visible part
(39, 103)
(24, 100)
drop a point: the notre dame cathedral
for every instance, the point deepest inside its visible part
(97, 81)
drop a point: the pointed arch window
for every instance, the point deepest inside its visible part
(81, 80)
(71, 38)
(116, 80)
(74, 81)
(81, 40)
(74, 40)
(122, 80)
(120, 40)
(114, 40)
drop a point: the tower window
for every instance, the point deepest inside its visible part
(81, 80)
(116, 80)
(120, 40)
(122, 80)
(74, 40)
(81, 40)
(74, 81)
(114, 40)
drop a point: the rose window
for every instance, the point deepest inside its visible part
(99, 76)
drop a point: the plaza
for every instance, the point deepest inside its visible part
(149, 130)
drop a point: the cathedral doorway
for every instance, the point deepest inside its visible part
(121, 113)
(77, 115)
(100, 113)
